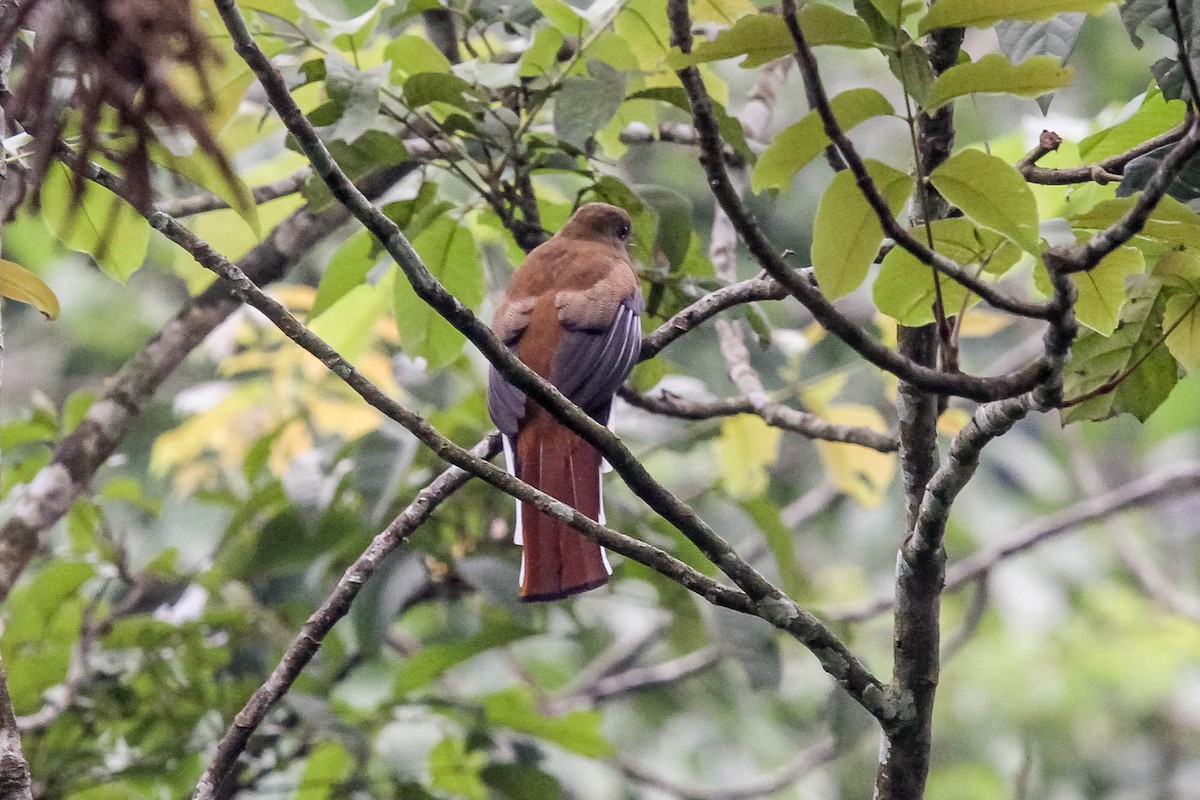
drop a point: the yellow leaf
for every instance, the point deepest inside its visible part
(814, 333)
(746, 448)
(819, 395)
(980, 322)
(887, 329)
(860, 472)
(952, 421)
(1182, 318)
(18, 283)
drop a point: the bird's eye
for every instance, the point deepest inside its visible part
(623, 231)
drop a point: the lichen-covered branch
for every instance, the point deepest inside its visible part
(766, 600)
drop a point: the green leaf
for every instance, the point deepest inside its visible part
(1156, 15)
(995, 74)
(731, 129)
(762, 38)
(355, 93)
(674, 232)
(643, 25)
(33, 605)
(371, 151)
(411, 55)
(1054, 37)
(1179, 269)
(1098, 359)
(18, 283)
(1184, 188)
(585, 105)
(578, 731)
(542, 55)
(200, 169)
(454, 769)
(904, 289)
(1154, 114)
(519, 782)
(348, 324)
(103, 225)
(347, 268)
(562, 16)
(448, 250)
(781, 540)
(1171, 226)
(910, 64)
(796, 145)
(847, 233)
(722, 12)
(992, 193)
(1102, 289)
(1182, 317)
(439, 87)
(985, 13)
(496, 630)
(327, 768)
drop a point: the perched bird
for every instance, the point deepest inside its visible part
(572, 314)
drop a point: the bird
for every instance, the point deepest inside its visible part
(572, 314)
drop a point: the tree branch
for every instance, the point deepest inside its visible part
(905, 751)
(765, 599)
(207, 201)
(81, 453)
(1104, 171)
(891, 226)
(709, 306)
(826, 314)
(809, 425)
(804, 763)
(302, 649)
(1177, 481)
(636, 679)
(15, 782)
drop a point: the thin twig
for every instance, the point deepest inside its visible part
(804, 763)
(981, 389)
(809, 425)
(891, 226)
(207, 201)
(711, 304)
(1125, 541)
(1174, 482)
(1104, 171)
(637, 679)
(81, 453)
(761, 597)
(334, 608)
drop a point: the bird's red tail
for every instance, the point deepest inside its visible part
(557, 561)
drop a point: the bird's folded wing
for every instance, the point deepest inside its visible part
(592, 363)
(589, 367)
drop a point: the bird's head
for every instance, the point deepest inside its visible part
(599, 222)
